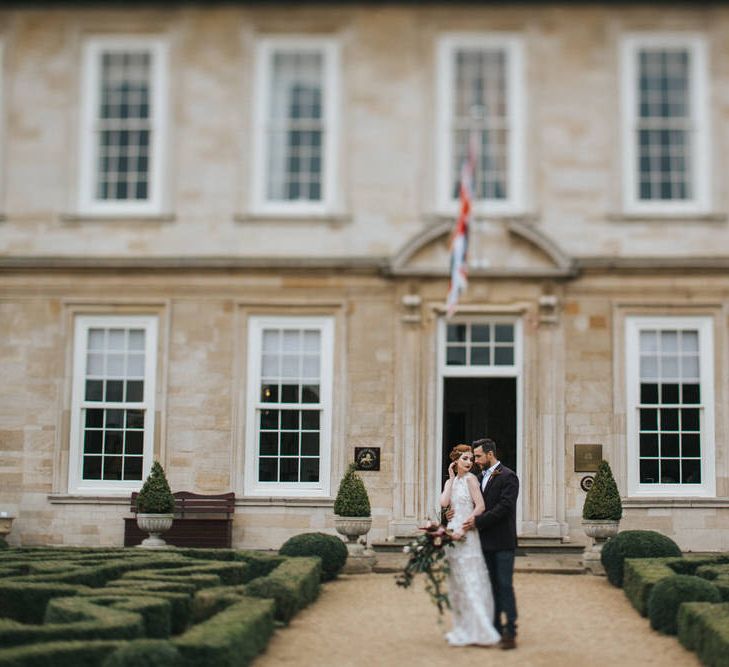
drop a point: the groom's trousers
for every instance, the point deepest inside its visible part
(501, 573)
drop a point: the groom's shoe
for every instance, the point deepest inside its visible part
(507, 642)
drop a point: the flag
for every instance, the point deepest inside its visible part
(459, 238)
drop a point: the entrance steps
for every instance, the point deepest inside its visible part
(534, 554)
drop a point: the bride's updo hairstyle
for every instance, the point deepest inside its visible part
(459, 450)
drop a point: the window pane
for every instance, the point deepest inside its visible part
(310, 444)
(93, 442)
(114, 442)
(135, 391)
(648, 419)
(92, 467)
(133, 468)
(480, 356)
(310, 470)
(649, 471)
(670, 471)
(691, 471)
(269, 393)
(94, 418)
(268, 470)
(504, 333)
(691, 393)
(290, 419)
(480, 333)
(690, 444)
(669, 393)
(268, 443)
(134, 442)
(310, 420)
(269, 419)
(456, 333)
(289, 444)
(669, 444)
(115, 391)
(94, 390)
(456, 356)
(648, 393)
(289, 470)
(690, 419)
(648, 444)
(290, 393)
(504, 356)
(310, 393)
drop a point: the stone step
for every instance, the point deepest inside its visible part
(526, 546)
(393, 562)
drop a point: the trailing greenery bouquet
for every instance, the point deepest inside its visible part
(427, 556)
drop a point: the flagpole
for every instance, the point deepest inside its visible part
(459, 237)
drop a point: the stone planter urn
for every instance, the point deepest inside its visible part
(6, 523)
(155, 525)
(600, 531)
(353, 518)
(352, 527)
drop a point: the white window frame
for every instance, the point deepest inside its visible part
(82, 325)
(704, 325)
(252, 487)
(93, 48)
(513, 46)
(266, 48)
(700, 174)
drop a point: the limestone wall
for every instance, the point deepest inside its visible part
(387, 152)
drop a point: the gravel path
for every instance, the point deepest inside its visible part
(366, 620)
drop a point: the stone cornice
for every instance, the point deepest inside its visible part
(396, 266)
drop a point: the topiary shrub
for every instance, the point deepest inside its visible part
(668, 595)
(352, 498)
(602, 502)
(329, 548)
(3, 544)
(145, 653)
(634, 544)
(155, 496)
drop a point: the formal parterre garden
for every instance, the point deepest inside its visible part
(115, 607)
(687, 595)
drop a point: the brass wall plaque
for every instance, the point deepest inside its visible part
(587, 458)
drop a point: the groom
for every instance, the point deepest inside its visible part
(497, 530)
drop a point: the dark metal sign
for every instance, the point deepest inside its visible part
(367, 458)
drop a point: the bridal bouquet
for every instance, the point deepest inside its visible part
(427, 556)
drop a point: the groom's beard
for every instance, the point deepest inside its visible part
(476, 469)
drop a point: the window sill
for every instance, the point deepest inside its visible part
(333, 219)
(695, 502)
(667, 216)
(117, 217)
(77, 499)
(252, 501)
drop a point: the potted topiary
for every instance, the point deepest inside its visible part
(352, 514)
(155, 507)
(601, 516)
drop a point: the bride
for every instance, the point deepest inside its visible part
(469, 587)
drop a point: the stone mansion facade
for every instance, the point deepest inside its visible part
(224, 245)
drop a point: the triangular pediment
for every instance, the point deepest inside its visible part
(496, 248)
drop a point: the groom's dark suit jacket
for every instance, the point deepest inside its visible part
(497, 525)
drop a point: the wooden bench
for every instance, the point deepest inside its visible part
(200, 521)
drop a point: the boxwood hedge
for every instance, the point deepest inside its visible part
(117, 607)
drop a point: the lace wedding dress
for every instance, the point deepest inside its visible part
(469, 587)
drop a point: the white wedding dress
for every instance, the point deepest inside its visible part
(469, 586)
